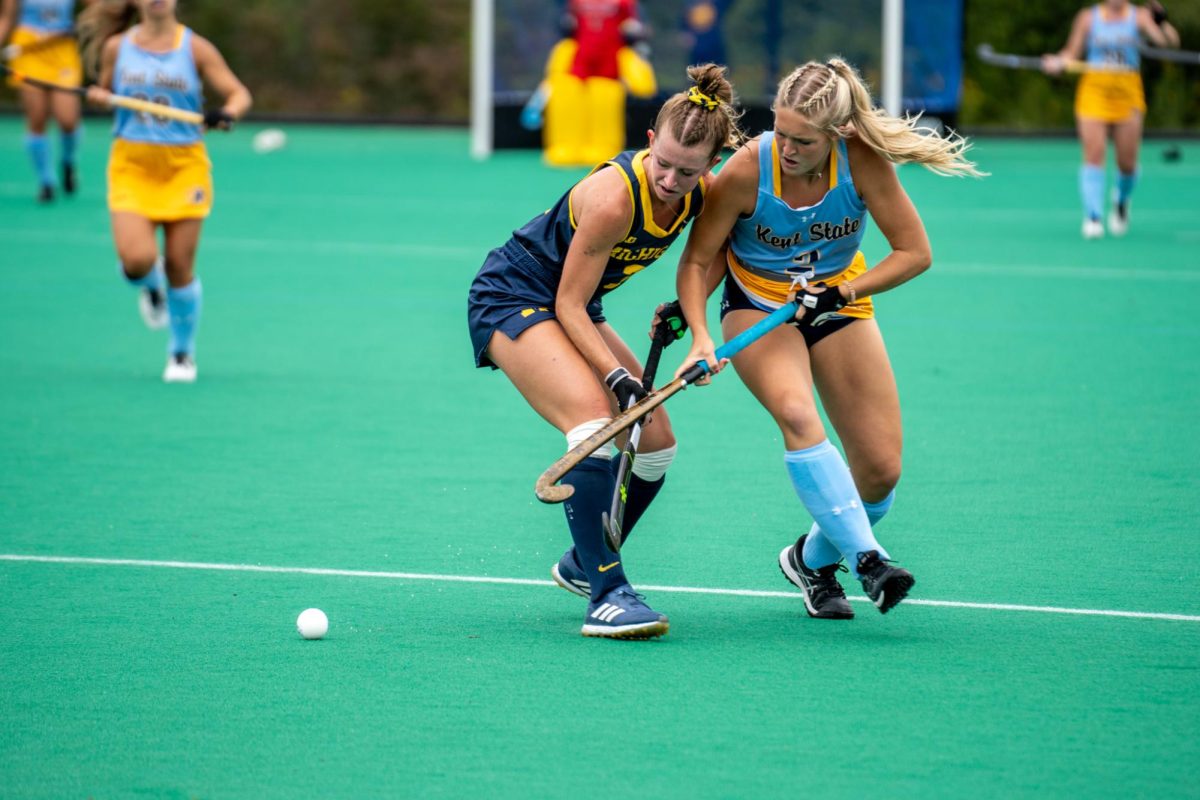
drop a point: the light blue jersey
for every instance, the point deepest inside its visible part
(48, 16)
(170, 78)
(1113, 43)
(778, 243)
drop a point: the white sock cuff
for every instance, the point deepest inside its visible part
(653, 465)
(581, 432)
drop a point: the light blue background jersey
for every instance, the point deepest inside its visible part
(784, 241)
(48, 16)
(169, 78)
(1114, 42)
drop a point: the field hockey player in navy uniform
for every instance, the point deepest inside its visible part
(792, 207)
(535, 313)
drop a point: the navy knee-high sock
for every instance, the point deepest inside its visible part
(641, 495)
(593, 482)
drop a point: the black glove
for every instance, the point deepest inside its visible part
(626, 388)
(818, 305)
(672, 325)
(218, 119)
(1158, 12)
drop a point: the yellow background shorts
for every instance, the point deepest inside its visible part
(1110, 96)
(161, 182)
(55, 62)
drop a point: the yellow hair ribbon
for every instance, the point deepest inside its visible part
(701, 99)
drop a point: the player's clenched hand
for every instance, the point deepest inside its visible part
(703, 349)
(626, 388)
(671, 315)
(816, 300)
(97, 96)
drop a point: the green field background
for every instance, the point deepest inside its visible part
(1048, 387)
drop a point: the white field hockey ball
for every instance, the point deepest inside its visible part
(271, 139)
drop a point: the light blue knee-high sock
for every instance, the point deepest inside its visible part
(70, 145)
(183, 306)
(1125, 184)
(39, 153)
(154, 280)
(820, 552)
(1091, 190)
(823, 483)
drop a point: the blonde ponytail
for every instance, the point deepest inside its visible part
(835, 100)
(97, 23)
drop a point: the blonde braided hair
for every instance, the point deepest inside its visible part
(833, 98)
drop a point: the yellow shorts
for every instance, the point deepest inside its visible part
(774, 293)
(161, 182)
(1110, 96)
(57, 61)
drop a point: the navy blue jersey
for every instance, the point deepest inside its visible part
(548, 237)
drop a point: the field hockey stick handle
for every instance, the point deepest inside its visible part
(547, 489)
(780, 316)
(654, 356)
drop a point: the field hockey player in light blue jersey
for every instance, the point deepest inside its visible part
(159, 174)
(1110, 100)
(790, 210)
(43, 47)
(535, 312)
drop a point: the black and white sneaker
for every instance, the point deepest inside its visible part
(823, 595)
(181, 368)
(152, 305)
(885, 584)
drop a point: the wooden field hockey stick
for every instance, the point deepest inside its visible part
(547, 488)
(1166, 54)
(664, 333)
(1010, 61)
(114, 101)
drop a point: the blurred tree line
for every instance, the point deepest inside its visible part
(392, 59)
(345, 58)
(410, 59)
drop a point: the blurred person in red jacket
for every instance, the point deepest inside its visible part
(586, 79)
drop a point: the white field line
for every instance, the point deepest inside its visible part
(343, 247)
(421, 576)
(259, 245)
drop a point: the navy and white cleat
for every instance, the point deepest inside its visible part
(569, 575)
(621, 614)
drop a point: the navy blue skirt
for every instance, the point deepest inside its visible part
(511, 293)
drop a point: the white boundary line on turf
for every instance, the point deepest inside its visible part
(957, 269)
(421, 576)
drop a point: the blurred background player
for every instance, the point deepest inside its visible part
(1110, 100)
(792, 207)
(703, 35)
(159, 174)
(535, 312)
(586, 77)
(43, 48)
